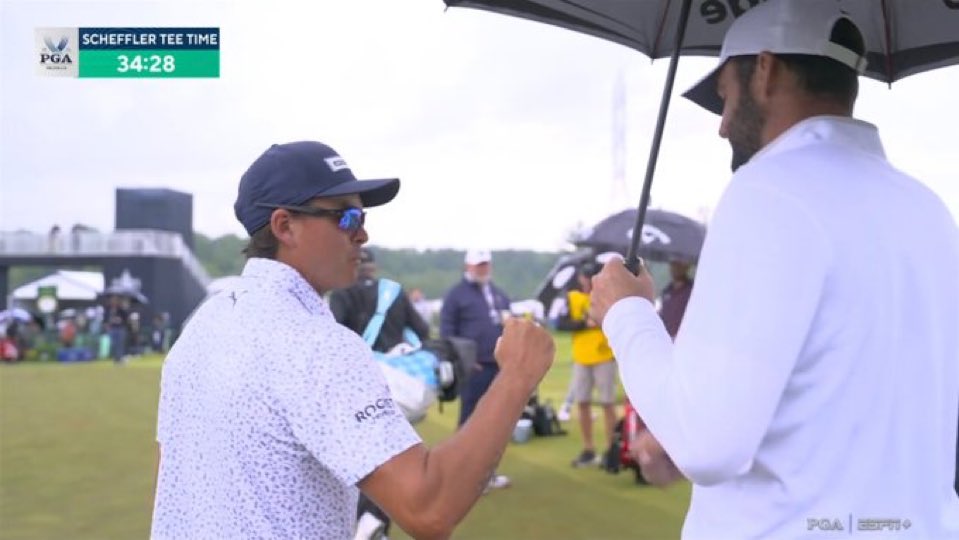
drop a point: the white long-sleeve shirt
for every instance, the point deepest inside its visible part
(814, 383)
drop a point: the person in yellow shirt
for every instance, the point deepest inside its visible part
(593, 365)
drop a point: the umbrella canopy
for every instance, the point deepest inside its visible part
(15, 314)
(903, 37)
(666, 235)
(125, 292)
(125, 286)
(562, 277)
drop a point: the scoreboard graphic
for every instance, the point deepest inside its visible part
(128, 52)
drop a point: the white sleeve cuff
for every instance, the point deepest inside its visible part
(629, 312)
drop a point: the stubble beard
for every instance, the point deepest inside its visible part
(745, 129)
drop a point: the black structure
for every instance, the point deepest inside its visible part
(166, 278)
(158, 209)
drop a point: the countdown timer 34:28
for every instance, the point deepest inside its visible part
(153, 63)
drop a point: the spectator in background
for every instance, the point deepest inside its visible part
(421, 304)
(94, 316)
(158, 334)
(134, 337)
(9, 351)
(675, 297)
(116, 322)
(594, 367)
(475, 309)
(28, 336)
(67, 331)
(75, 237)
(353, 307)
(54, 239)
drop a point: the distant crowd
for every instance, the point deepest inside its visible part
(114, 331)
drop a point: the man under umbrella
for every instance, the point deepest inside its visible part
(675, 296)
(814, 384)
(117, 324)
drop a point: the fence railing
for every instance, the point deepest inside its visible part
(132, 243)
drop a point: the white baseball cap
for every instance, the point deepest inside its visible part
(779, 27)
(478, 256)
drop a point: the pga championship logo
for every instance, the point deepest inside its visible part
(56, 51)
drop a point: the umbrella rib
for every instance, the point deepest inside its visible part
(659, 31)
(885, 24)
(600, 15)
(555, 17)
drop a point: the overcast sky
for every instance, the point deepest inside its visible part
(500, 129)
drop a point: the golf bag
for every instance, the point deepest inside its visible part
(543, 416)
(619, 454)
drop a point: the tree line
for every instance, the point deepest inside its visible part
(518, 272)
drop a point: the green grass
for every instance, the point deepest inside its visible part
(77, 452)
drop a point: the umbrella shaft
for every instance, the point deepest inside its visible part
(632, 256)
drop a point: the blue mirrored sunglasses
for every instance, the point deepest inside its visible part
(348, 219)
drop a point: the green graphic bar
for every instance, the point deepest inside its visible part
(150, 63)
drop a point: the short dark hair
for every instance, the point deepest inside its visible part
(263, 244)
(818, 75)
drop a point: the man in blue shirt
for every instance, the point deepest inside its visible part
(475, 309)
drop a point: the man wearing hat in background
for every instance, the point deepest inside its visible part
(594, 367)
(271, 414)
(354, 307)
(813, 387)
(476, 309)
(675, 296)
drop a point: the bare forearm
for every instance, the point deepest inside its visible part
(427, 492)
(458, 469)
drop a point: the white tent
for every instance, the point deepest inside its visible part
(70, 284)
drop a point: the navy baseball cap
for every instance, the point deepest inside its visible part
(293, 174)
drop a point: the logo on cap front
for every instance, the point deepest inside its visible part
(336, 163)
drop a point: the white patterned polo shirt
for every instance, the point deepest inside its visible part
(270, 413)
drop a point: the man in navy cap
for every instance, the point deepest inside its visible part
(273, 417)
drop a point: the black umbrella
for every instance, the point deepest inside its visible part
(562, 278)
(130, 293)
(904, 37)
(666, 236)
(125, 286)
(15, 314)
